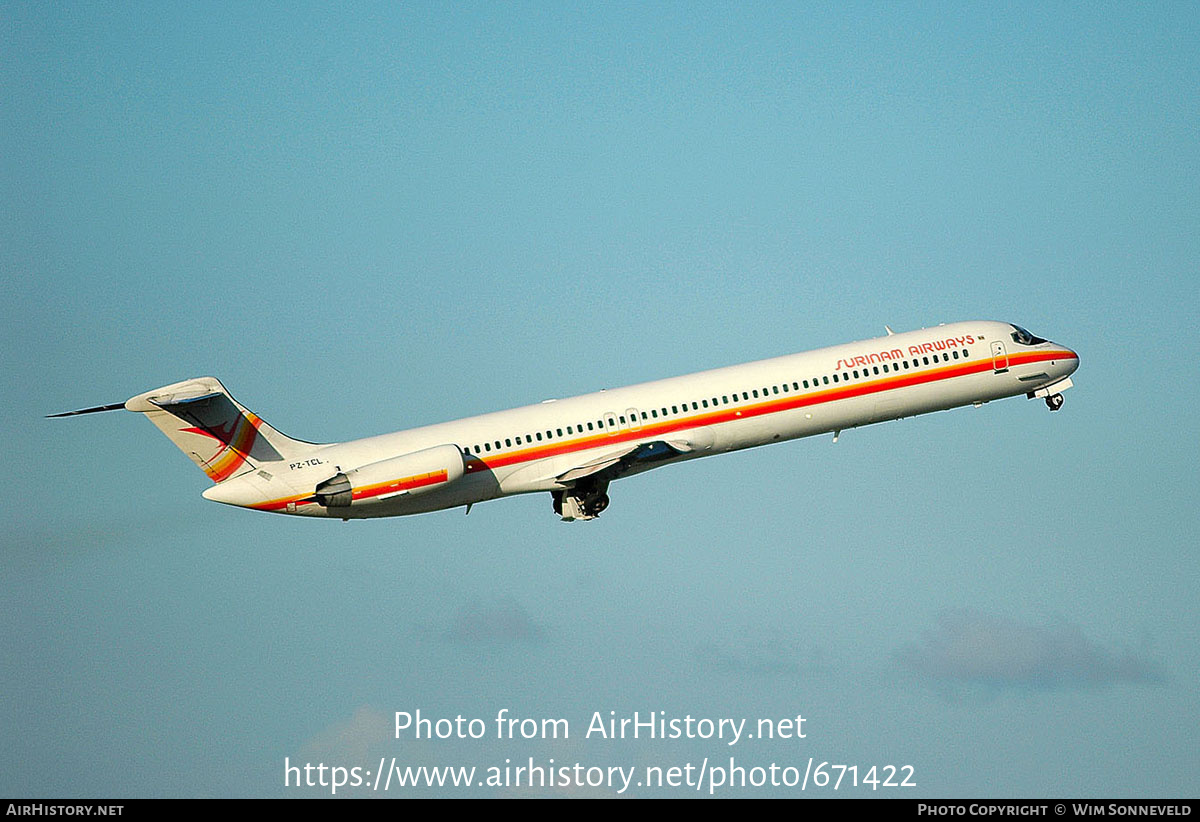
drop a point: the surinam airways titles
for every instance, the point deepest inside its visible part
(574, 448)
(913, 351)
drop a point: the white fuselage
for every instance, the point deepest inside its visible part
(541, 447)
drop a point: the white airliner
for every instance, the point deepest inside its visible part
(573, 448)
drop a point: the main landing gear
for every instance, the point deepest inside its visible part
(581, 502)
(1054, 402)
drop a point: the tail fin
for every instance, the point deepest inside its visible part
(219, 434)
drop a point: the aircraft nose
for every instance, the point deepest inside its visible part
(1070, 361)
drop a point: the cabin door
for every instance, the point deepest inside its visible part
(610, 423)
(999, 357)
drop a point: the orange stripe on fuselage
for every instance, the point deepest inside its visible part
(475, 462)
(784, 403)
(369, 491)
(405, 484)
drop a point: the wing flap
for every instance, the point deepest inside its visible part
(611, 466)
(593, 467)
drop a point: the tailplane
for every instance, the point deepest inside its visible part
(219, 434)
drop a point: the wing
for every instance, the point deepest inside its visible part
(611, 466)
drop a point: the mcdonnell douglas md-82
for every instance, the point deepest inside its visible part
(574, 448)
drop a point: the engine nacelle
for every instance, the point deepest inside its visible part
(415, 473)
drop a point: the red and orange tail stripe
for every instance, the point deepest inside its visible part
(234, 452)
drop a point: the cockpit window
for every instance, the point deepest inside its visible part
(1023, 337)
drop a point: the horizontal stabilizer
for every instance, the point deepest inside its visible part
(185, 401)
(217, 433)
(114, 407)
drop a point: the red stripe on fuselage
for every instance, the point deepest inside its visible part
(650, 428)
(477, 462)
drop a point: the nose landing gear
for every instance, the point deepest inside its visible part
(1054, 402)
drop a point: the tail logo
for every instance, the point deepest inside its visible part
(237, 440)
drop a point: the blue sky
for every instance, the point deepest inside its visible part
(374, 217)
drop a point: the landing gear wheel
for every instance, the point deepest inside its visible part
(582, 502)
(1054, 402)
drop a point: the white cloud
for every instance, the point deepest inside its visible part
(358, 740)
(497, 622)
(969, 647)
